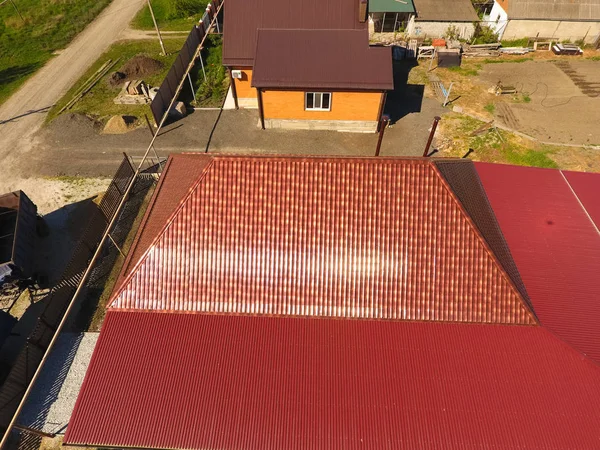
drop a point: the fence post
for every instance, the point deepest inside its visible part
(436, 119)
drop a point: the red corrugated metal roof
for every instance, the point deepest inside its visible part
(244, 17)
(555, 245)
(338, 237)
(169, 193)
(210, 381)
(586, 187)
(321, 59)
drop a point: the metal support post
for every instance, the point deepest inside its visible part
(436, 119)
(115, 244)
(191, 86)
(202, 65)
(153, 148)
(448, 94)
(162, 45)
(385, 119)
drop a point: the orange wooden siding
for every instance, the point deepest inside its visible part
(242, 87)
(344, 106)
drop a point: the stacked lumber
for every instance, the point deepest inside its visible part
(481, 50)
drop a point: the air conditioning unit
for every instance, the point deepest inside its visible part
(236, 74)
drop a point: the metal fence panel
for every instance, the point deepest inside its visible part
(167, 90)
(21, 373)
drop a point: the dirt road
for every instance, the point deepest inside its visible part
(23, 114)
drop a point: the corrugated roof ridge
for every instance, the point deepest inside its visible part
(488, 249)
(169, 222)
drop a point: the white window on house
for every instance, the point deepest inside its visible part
(317, 101)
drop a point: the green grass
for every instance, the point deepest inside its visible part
(515, 43)
(48, 26)
(490, 107)
(531, 158)
(494, 145)
(500, 60)
(171, 15)
(99, 101)
(594, 58)
(526, 98)
(466, 71)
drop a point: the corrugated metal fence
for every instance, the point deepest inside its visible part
(31, 355)
(179, 69)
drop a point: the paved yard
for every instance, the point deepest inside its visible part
(72, 145)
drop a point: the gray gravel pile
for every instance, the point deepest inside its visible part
(52, 400)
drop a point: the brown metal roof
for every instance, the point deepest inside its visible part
(445, 11)
(339, 237)
(243, 18)
(336, 59)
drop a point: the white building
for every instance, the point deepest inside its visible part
(559, 20)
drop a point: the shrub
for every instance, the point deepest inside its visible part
(213, 87)
(484, 34)
(452, 33)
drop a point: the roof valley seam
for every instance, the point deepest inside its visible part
(491, 253)
(580, 203)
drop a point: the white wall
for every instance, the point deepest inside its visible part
(497, 19)
(558, 30)
(438, 29)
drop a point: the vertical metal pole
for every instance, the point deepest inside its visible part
(432, 58)
(382, 23)
(448, 94)
(217, 24)
(385, 119)
(192, 86)
(162, 45)
(153, 149)
(260, 108)
(202, 65)
(436, 119)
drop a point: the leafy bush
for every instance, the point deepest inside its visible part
(452, 33)
(484, 34)
(181, 9)
(213, 88)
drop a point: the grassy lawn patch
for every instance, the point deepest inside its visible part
(515, 43)
(506, 60)
(98, 102)
(461, 133)
(25, 45)
(465, 71)
(171, 15)
(490, 107)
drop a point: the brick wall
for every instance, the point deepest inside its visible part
(242, 87)
(363, 106)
